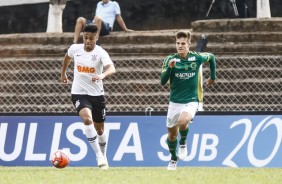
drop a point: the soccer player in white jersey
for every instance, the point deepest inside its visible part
(182, 69)
(91, 65)
(106, 13)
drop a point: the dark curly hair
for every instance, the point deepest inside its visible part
(92, 28)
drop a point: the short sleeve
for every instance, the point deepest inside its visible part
(71, 51)
(116, 8)
(166, 60)
(205, 57)
(105, 58)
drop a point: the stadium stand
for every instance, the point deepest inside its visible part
(249, 68)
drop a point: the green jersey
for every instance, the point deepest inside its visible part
(184, 76)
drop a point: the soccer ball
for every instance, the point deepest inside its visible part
(60, 159)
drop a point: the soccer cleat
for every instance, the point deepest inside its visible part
(101, 161)
(172, 165)
(182, 151)
(105, 167)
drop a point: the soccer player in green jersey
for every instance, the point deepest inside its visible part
(181, 70)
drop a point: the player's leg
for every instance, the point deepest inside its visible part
(91, 134)
(80, 22)
(105, 29)
(99, 116)
(186, 116)
(83, 107)
(171, 124)
(183, 120)
(102, 138)
(98, 22)
(172, 146)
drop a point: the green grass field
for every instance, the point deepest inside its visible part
(138, 175)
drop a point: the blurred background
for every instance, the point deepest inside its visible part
(138, 14)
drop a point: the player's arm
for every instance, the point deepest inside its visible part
(122, 24)
(109, 70)
(66, 63)
(212, 62)
(166, 70)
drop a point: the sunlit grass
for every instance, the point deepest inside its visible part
(139, 175)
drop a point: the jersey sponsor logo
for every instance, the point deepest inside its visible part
(85, 69)
(185, 75)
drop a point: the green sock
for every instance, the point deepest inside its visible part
(172, 148)
(183, 134)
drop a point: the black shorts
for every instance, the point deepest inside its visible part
(95, 103)
(105, 28)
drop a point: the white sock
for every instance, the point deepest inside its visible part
(91, 135)
(102, 143)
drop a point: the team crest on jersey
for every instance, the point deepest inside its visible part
(193, 65)
(94, 58)
(192, 58)
(186, 67)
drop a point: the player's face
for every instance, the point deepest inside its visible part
(89, 40)
(182, 46)
(105, 1)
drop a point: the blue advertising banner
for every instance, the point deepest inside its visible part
(213, 140)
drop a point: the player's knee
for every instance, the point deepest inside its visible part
(80, 20)
(99, 131)
(183, 122)
(98, 19)
(87, 121)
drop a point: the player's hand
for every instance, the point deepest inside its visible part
(210, 82)
(128, 30)
(98, 77)
(64, 78)
(171, 63)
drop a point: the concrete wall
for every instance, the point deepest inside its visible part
(138, 14)
(18, 2)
